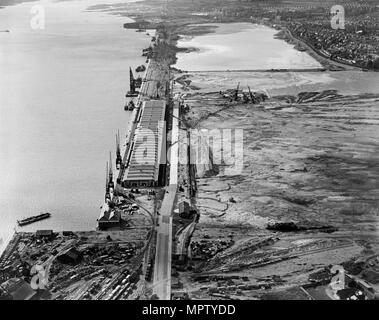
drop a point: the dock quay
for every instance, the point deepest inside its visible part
(153, 87)
(162, 274)
(153, 129)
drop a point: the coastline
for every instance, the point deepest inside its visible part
(297, 166)
(191, 30)
(332, 65)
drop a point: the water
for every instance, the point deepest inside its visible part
(61, 102)
(241, 46)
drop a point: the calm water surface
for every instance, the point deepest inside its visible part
(241, 46)
(61, 102)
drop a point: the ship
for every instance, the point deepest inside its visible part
(33, 219)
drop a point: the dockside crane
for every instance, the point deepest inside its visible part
(107, 195)
(118, 151)
(132, 85)
(110, 182)
(252, 98)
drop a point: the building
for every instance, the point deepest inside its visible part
(109, 218)
(68, 233)
(71, 256)
(146, 161)
(45, 234)
(185, 210)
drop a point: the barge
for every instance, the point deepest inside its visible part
(33, 219)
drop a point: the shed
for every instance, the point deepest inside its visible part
(71, 256)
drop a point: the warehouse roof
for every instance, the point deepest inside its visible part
(148, 142)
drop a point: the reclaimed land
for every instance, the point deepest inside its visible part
(310, 159)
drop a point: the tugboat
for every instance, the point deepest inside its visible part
(141, 68)
(129, 106)
(33, 219)
(118, 152)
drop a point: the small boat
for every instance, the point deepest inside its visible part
(129, 106)
(141, 68)
(33, 219)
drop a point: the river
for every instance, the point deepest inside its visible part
(61, 102)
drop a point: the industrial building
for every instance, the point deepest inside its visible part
(108, 218)
(45, 234)
(17, 289)
(146, 161)
(71, 256)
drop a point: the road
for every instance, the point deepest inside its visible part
(162, 267)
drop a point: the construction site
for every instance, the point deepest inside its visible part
(117, 261)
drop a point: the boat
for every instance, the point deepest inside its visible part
(129, 106)
(141, 68)
(133, 83)
(33, 219)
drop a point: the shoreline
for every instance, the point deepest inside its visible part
(204, 28)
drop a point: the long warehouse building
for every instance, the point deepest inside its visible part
(146, 161)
